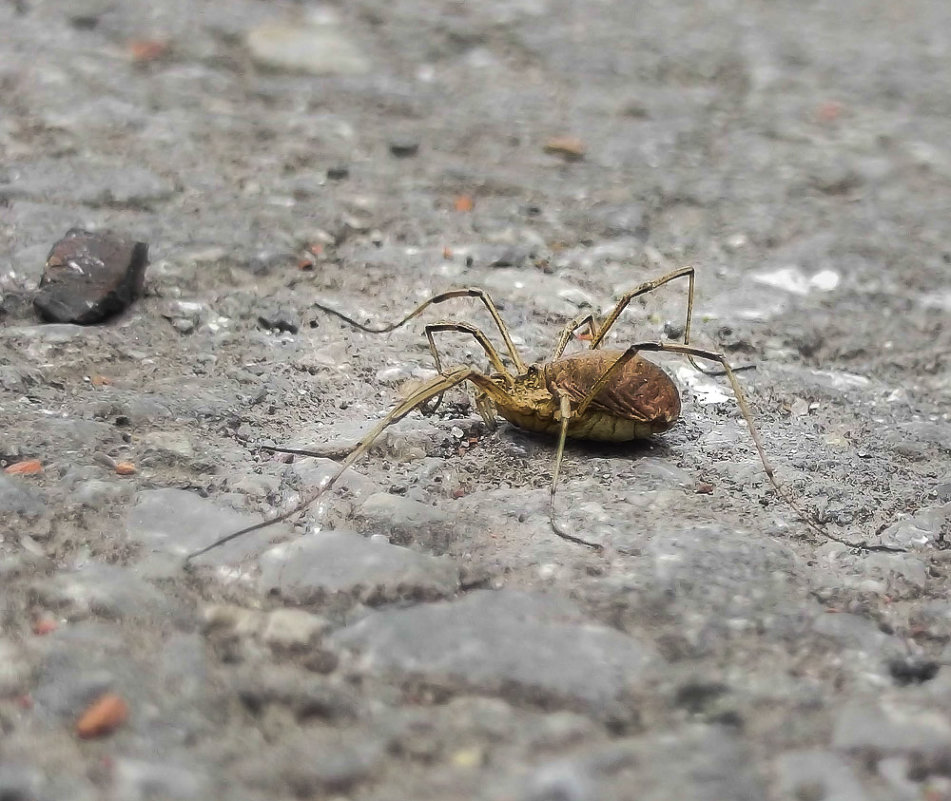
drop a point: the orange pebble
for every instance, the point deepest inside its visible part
(103, 716)
(143, 50)
(28, 468)
(125, 468)
(829, 111)
(45, 625)
(464, 203)
(100, 380)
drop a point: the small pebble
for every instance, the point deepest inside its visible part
(404, 147)
(279, 319)
(44, 625)
(317, 47)
(184, 316)
(292, 628)
(570, 148)
(142, 51)
(799, 407)
(30, 467)
(90, 276)
(907, 670)
(102, 717)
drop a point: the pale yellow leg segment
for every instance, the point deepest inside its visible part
(479, 336)
(486, 411)
(651, 286)
(470, 292)
(435, 387)
(643, 289)
(446, 325)
(582, 319)
(565, 411)
(730, 373)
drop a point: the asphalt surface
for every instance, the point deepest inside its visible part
(420, 632)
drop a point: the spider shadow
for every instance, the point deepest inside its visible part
(593, 449)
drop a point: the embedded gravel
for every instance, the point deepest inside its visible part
(420, 632)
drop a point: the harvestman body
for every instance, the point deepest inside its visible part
(597, 394)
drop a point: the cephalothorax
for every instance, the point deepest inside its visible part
(597, 394)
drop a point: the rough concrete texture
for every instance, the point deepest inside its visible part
(442, 642)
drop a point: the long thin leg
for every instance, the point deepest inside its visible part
(480, 337)
(438, 385)
(650, 286)
(643, 289)
(690, 351)
(469, 292)
(564, 410)
(586, 318)
(466, 328)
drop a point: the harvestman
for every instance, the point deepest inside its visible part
(597, 394)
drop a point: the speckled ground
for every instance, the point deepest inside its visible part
(420, 633)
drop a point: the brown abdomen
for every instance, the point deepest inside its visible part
(640, 392)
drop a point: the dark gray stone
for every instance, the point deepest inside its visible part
(82, 662)
(818, 774)
(909, 669)
(90, 276)
(407, 521)
(927, 525)
(278, 318)
(858, 633)
(169, 524)
(16, 498)
(930, 432)
(167, 447)
(404, 146)
(101, 590)
(795, 153)
(18, 380)
(183, 668)
(140, 409)
(19, 782)
(313, 762)
(716, 564)
(561, 782)
(308, 697)
(615, 220)
(697, 763)
(93, 182)
(528, 648)
(404, 440)
(96, 493)
(330, 564)
(891, 727)
(144, 779)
